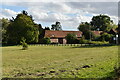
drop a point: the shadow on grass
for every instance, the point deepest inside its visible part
(110, 76)
(93, 45)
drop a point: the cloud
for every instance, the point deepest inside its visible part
(70, 14)
(7, 13)
(46, 16)
(60, 1)
(110, 8)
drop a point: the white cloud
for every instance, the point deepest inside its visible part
(7, 13)
(50, 12)
(60, 1)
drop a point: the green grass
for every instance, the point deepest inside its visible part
(59, 62)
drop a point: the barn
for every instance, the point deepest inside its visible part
(59, 36)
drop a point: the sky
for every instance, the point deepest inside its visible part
(69, 13)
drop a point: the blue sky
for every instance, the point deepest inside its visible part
(14, 8)
(70, 14)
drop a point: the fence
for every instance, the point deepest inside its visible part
(70, 44)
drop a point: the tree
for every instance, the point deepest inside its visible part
(105, 37)
(71, 39)
(47, 28)
(56, 26)
(3, 27)
(25, 12)
(41, 31)
(85, 27)
(101, 22)
(22, 26)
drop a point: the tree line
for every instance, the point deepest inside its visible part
(23, 28)
(102, 23)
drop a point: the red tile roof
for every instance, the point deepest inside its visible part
(97, 32)
(61, 34)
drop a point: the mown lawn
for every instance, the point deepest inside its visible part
(59, 62)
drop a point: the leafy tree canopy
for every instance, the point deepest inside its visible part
(101, 22)
(22, 26)
(85, 27)
(4, 24)
(56, 26)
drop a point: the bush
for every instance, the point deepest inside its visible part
(99, 42)
(24, 44)
(45, 41)
(76, 41)
(83, 41)
(71, 39)
(105, 37)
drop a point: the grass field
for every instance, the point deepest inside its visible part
(59, 62)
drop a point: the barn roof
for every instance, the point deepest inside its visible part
(61, 34)
(97, 32)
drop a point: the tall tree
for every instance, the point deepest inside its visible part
(101, 22)
(56, 26)
(22, 27)
(85, 27)
(4, 24)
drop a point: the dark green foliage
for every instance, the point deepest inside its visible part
(56, 26)
(45, 41)
(85, 27)
(105, 37)
(47, 28)
(89, 35)
(99, 42)
(24, 12)
(40, 28)
(22, 26)
(54, 43)
(3, 26)
(41, 32)
(101, 22)
(71, 39)
(83, 41)
(24, 44)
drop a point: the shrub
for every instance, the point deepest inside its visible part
(76, 41)
(71, 39)
(104, 37)
(83, 41)
(24, 44)
(99, 42)
(45, 41)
